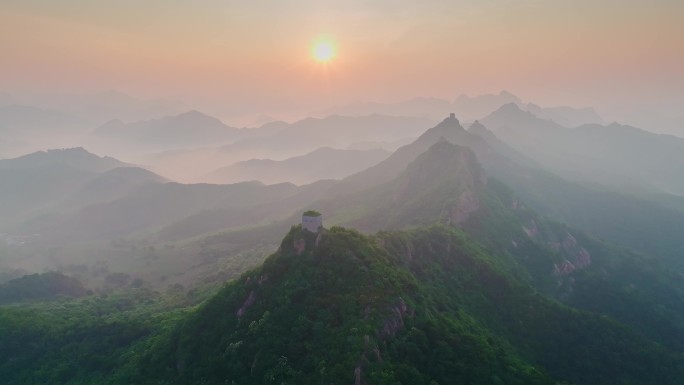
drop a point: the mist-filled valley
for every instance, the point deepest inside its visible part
(366, 193)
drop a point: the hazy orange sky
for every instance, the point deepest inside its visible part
(614, 54)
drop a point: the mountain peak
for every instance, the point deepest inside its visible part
(56, 154)
(510, 108)
(477, 127)
(511, 116)
(192, 113)
(510, 112)
(446, 128)
(450, 122)
(196, 115)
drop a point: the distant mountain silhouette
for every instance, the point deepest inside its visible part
(279, 141)
(449, 129)
(155, 205)
(511, 113)
(422, 107)
(565, 116)
(187, 130)
(334, 131)
(323, 163)
(184, 210)
(384, 145)
(111, 185)
(467, 108)
(77, 158)
(61, 203)
(35, 181)
(611, 155)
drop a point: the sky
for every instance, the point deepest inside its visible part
(623, 57)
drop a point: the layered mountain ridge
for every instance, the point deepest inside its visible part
(457, 279)
(379, 293)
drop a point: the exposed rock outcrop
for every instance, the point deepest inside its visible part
(392, 324)
(245, 305)
(531, 230)
(357, 375)
(564, 268)
(577, 257)
(395, 322)
(468, 203)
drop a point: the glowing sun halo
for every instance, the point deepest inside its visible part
(323, 51)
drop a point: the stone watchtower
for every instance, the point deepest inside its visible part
(312, 221)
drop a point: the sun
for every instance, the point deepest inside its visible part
(323, 51)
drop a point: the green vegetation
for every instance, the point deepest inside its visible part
(314, 314)
(423, 306)
(39, 287)
(311, 213)
(463, 283)
(84, 341)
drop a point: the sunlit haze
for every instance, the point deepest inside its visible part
(323, 51)
(232, 58)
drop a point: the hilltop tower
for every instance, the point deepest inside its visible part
(312, 221)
